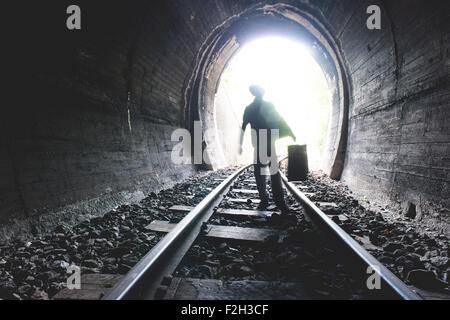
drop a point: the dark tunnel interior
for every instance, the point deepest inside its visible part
(89, 123)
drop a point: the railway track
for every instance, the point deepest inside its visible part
(224, 249)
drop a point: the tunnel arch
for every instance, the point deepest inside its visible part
(153, 66)
(299, 24)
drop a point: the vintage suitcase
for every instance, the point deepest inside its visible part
(297, 162)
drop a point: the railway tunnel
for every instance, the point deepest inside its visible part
(93, 110)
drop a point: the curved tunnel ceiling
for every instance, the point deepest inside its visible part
(90, 123)
(283, 20)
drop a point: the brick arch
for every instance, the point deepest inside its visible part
(224, 42)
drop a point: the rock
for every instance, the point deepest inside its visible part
(392, 246)
(55, 287)
(406, 239)
(440, 261)
(106, 234)
(91, 263)
(60, 264)
(420, 250)
(431, 254)
(246, 270)
(119, 251)
(175, 219)
(25, 290)
(7, 287)
(38, 243)
(39, 295)
(336, 219)
(124, 229)
(400, 260)
(206, 270)
(399, 252)
(425, 279)
(110, 260)
(15, 296)
(95, 221)
(322, 293)
(223, 246)
(61, 229)
(446, 276)
(386, 260)
(415, 258)
(167, 280)
(47, 276)
(123, 268)
(161, 292)
(89, 270)
(95, 233)
(130, 261)
(410, 265)
(213, 263)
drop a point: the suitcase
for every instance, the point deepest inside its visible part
(297, 162)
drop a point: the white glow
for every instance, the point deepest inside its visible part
(293, 81)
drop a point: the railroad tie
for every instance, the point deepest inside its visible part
(212, 289)
(326, 204)
(93, 287)
(245, 191)
(231, 212)
(222, 232)
(238, 200)
(241, 212)
(181, 208)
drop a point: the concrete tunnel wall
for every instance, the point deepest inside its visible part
(221, 136)
(91, 114)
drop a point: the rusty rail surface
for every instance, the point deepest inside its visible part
(143, 280)
(393, 283)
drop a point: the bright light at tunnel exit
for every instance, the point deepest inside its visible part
(293, 81)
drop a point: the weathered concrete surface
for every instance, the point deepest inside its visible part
(210, 289)
(399, 133)
(91, 111)
(92, 287)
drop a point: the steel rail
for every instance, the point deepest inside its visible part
(142, 281)
(318, 216)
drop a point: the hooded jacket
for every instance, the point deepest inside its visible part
(263, 115)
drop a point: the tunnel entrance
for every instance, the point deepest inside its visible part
(294, 83)
(226, 42)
